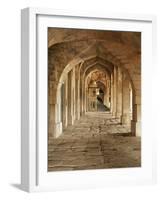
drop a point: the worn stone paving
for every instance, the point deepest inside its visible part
(96, 141)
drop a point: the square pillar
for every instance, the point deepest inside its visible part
(111, 97)
(119, 94)
(136, 122)
(69, 107)
(125, 119)
(114, 91)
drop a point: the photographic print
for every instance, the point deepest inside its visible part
(87, 117)
(94, 99)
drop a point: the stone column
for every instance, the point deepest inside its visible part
(111, 97)
(51, 120)
(78, 100)
(63, 105)
(86, 99)
(80, 96)
(73, 96)
(51, 114)
(125, 101)
(76, 92)
(114, 91)
(58, 121)
(66, 102)
(131, 101)
(83, 98)
(136, 121)
(69, 98)
(119, 94)
(106, 95)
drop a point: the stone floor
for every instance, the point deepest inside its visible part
(96, 141)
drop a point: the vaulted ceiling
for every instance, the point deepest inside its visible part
(68, 44)
(91, 48)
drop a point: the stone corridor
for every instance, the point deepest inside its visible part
(94, 99)
(96, 141)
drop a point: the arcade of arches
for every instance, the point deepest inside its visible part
(94, 99)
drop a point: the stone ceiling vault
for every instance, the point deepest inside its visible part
(71, 47)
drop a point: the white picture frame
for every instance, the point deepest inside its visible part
(34, 176)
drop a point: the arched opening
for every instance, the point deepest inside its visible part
(97, 91)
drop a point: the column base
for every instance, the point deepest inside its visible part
(125, 119)
(58, 129)
(114, 114)
(51, 130)
(136, 128)
(119, 116)
(69, 122)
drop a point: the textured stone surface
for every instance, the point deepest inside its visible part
(95, 141)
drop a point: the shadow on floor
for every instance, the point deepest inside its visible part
(17, 186)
